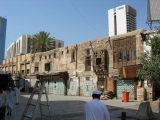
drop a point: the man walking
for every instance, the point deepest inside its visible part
(10, 101)
(95, 110)
(18, 93)
(3, 103)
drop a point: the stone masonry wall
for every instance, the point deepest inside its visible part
(60, 59)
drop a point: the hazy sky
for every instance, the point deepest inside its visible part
(72, 21)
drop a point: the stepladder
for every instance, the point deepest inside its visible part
(36, 103)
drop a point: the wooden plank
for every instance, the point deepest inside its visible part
(135, 89)
(110, 84)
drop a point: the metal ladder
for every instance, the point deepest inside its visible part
(38, 91)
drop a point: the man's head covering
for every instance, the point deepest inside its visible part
(96, 92)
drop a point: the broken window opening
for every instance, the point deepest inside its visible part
(36, 68)
(73, 57)
(88, 61)
(47, 67)
(124, 58)
(133, 54)
(22, 72)
(119, 54)
(88, 51)
(127, 55)
(54, 55)
(27, 71)
(98, 61)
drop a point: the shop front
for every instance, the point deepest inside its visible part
(57, 83)
(127, 82)
(125, 86)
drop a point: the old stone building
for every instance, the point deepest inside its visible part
(78, 69)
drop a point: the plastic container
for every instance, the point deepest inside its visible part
(125, 96)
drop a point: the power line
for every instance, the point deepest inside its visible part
(84, 18)
(118, 2)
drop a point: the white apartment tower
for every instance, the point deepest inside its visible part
(22, 46)
(121, 20)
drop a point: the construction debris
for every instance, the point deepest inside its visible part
(107, 95)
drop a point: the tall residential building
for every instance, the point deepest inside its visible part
(22, 46)
(3, 25)
(121, 20)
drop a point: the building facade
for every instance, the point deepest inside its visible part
(3, 26)
(22, 46)
(79, 69)
(121, 20)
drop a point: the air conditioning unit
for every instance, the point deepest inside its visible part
(87, 78)
(116, 77)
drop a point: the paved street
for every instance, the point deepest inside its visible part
(71, 108)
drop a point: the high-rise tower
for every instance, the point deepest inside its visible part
(3, 25)
(121, 20)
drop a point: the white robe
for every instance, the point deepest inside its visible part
(18, 93)
(95, 110)
(10, 102)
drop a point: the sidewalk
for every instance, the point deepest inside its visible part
(71, 108)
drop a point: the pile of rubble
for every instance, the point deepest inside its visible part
(107, 95)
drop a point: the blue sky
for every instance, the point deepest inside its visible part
(62, 20)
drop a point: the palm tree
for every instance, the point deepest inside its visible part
(41, 42)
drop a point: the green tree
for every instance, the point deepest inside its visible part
(150, 61)
(42, 42)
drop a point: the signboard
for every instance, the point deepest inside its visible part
(153, 10)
